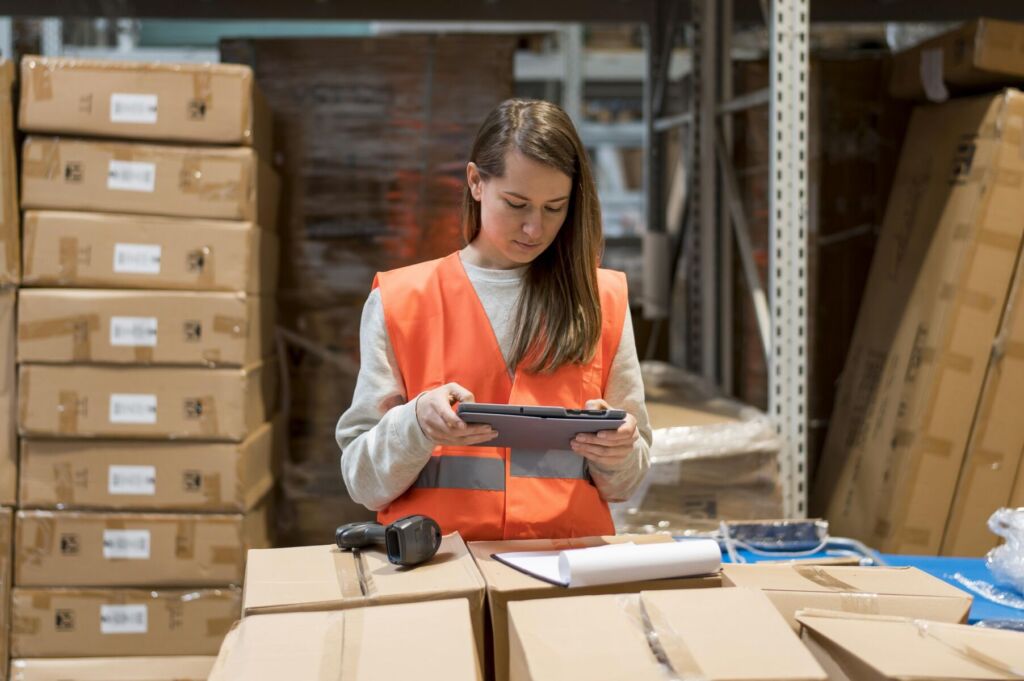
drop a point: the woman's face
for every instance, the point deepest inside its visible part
(520, 213)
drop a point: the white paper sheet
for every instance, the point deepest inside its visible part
(619, 563)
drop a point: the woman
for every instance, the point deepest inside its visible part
(521, 315)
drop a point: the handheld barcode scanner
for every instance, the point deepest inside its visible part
(408, 541)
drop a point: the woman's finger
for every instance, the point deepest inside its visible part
(596, 404)
(444, 412)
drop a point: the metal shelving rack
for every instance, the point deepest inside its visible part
(719, 216)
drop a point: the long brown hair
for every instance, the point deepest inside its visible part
(558, 316)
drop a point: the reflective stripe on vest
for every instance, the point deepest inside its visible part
(483, 473)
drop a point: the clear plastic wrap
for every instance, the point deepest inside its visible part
(1006, 562)
(712, 458)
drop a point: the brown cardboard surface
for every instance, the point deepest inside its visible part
(124, 177)
(146, 402)
(148, 475)
(316, 578)
(984, 53)
(997, 439)
(607, 637)
(874, 590)
(115, 549)
(10, 241)
(6, 573)
(1017, 496)
(96, 623)
(506, 584)
(144, 327)
(863, 648)
(173, 668)
(8, 400)
(428, 641)
(107, 250)
(938, 285)
(211, 103)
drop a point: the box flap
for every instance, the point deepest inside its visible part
(701, 628)
(325, 577)
(896, 581)
(904, 648)
(409, 641)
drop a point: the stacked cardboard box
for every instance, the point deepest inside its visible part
(399, 163)
(927, 437)
(146, 384)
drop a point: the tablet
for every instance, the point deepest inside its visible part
(538, 428)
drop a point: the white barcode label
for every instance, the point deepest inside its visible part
(132, 408)
(126, 544)
(125, 108)
(131, 176)
(136, 259)
(133, 331)
(131, 480)
(124, 619)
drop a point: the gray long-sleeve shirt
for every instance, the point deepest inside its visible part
(383, 447)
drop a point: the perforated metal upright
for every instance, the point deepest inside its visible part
(787, 379)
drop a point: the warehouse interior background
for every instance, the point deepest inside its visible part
(818, 207)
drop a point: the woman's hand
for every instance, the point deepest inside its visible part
(440, 424)
(608, 448)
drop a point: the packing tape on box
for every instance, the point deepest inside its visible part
(208, 422)
(67, 412)
(42, 542)
(236, 327)
(998, 240)
(42, 600)
(41, 158)
(38, 73)
(862, 603)
(185, 539)
(78, 328)
(930, 630)
(63, 483)
(67, 255)
(972, 299)
(202, 88)
(211, 487)
(206, 263)
(191, 180)
(226, 555)
(217, 627)
(346, 568)
(143, 354)
(823, 578)
(666, 644)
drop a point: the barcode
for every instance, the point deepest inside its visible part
(126, 409)
(131, 176)
(126, 544)
(137, 258)
(133, 108)
(133, 331)
(132, 480)
(131, 408)
(124, 619)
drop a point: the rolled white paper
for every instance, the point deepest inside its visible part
(618, 563)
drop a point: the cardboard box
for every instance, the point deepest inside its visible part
(123, 177)
(8, 400)
(899, 591)
(6, 574)
(997, 439)
(856, 647)
(506, 585)
(146, 402)
(1017, 496)
(69, 548)
(120, 622)
(175, 668)
(149, 475)
(10, 242)
(980, 54)
(427, 641)
(144, 327)
(936, 293)
(608, 637)
(210, 103)
(316, 578)
(106, 250)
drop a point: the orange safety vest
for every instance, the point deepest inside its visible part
(440, 334)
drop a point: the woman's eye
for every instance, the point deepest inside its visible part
(515, 205)
(555, 210)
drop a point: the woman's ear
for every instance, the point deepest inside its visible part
(475, 181)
